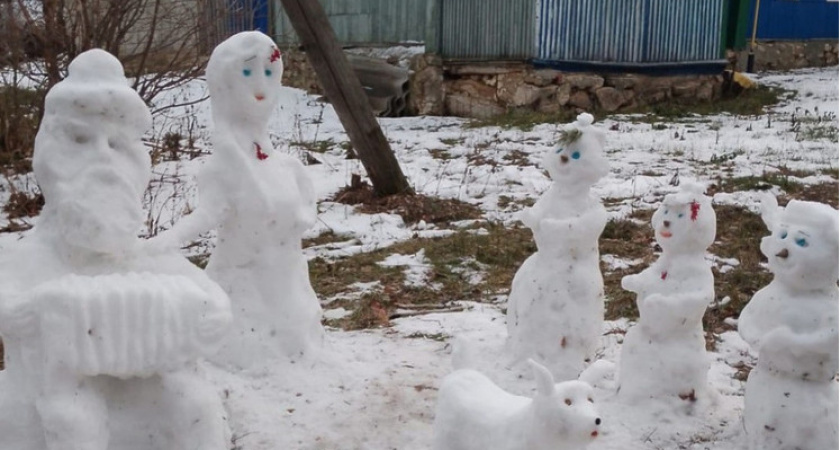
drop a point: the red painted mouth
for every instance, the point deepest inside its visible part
(665, 233)
(594, 434)
(259, 97)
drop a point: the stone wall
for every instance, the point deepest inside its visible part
(783, 55)
(488, 90)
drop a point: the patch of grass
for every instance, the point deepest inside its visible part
(523, 120)
(411, 207)
(823, 193)
(517, 158)
(759, 183)
(500, 250)
(438, 153)
(327, 237)
(625, 238)
(818, 133)
(315, 146)
(750, 102)
(452, 141)
(739, 234)
(22, 204)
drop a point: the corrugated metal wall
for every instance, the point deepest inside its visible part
(487, 29)
(364, 21)
(800, 19)
(629, 31)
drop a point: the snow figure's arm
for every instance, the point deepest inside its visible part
(811, 356)
(308, 212)
(529, 218)
(16, 315)
(214, 206)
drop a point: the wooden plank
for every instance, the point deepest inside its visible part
(345, 92)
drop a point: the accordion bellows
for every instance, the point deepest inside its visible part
(126, 325)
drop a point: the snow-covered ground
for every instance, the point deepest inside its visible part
(376, 389)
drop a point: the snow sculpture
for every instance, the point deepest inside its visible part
(791, 398)
(556, 306)
(473, 413)
(664, 355)
(261, 201)
(102, 335)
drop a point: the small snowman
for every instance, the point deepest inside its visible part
(101, 335)
(664, 355)
(556, 305)
(261, 201)
(791, 398)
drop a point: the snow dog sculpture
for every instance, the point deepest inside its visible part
(102, 334)
(261, 201)
(664, 355)
(473, 413)
(791, 398)
(556, 305)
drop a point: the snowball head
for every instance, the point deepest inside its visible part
(244, 74)
(685, 222)
(89, 159)
(802, 250)
(578, 159)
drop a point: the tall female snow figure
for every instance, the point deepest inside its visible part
(556, 304)
(262, 201)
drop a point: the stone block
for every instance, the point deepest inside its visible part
(463, 106)
(610, 99)
(582, 80)
(471, 88)
(580, 99)
(622, 81)
(542, 77)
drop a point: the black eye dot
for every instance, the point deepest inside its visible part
(569, 401)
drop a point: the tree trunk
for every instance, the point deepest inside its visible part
(345, 92)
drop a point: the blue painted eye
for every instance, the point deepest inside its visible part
(575, 155)
(559, 150)
(680, 215)
(801, 242)
(666, 212)
(783, 235)
(268, 72)
(246, 72)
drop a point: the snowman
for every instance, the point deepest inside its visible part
(663, 357)
(791, 398)
(102, 334)
(556, 306)
(261, 202)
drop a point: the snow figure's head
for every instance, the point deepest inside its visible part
(685, 222)
(578, 160)
(564, 413)
(243, 75)
(802, 250)
(89, 159)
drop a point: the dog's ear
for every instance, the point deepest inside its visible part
(545, 382)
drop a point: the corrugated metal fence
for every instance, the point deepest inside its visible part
(629, 31)
(364, 21)
(487, 29)
(800, 19)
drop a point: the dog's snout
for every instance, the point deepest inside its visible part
(667, 223)
(598, 421)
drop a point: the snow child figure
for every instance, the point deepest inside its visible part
(261, 201)
(791, 398)
(556, 305)
(664, 355)
(101, 334)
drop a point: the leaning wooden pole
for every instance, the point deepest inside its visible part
(345, 92)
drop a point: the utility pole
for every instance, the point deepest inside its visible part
(345, 92)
